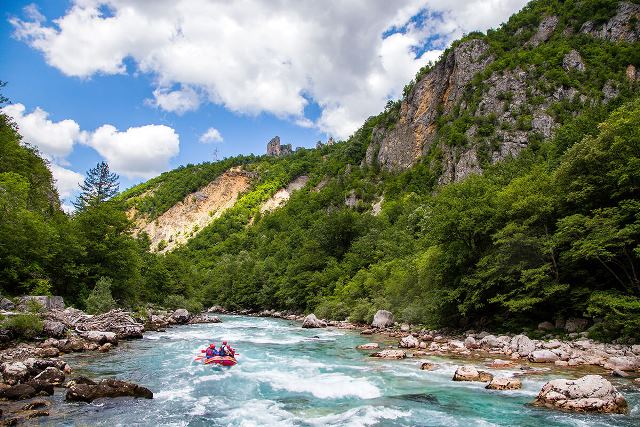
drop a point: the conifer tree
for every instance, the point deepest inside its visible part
(99, 186)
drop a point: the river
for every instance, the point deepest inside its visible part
(289, 376)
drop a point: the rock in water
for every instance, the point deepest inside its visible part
(591, 393)
(51, 375)
(470, 373)
(390, 354)
(502, 383)
(311, 321)
(106, 388)
(368, 346)
(100, 337)
(383, 319)
(180, 316)
(409, 342)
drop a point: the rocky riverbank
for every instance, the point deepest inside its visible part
(31, 372)
(509, 352)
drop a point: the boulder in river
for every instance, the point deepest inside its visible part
(180, 316)
(368, 346)
(106, 388)
(311, 321)
(591, 393)
(27, 390)
(100, 337)
(409, 342)
(14, 373)
(390, 354)
(51, 375)
(383, 319)
(502, 383)
(470, 373)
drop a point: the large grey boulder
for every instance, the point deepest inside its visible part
(311, 321)
(46, 302)
(100, 337)
(575, 324)
(409, 342)
(180, 316)
(591, 393)
(470, 373)
(15, 372)
(6, 304)
(522, 345)
(543, 356)
(502, 383)
(51, 375)
(53, 328)
(383, 319)
(106, 388)
(390, 354)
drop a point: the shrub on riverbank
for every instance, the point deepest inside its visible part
(23, 326)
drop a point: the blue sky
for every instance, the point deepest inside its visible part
(139, 85)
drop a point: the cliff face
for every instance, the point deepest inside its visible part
(505, 110)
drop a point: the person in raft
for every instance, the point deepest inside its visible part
(228, 351)
(211, 351)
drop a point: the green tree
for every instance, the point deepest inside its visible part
(100, 299)
(99, 185)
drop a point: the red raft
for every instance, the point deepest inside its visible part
(218, 360)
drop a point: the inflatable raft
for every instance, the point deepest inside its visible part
(223, 361)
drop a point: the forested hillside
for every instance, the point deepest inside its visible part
(501, 191)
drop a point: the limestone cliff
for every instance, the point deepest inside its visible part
(500, 111)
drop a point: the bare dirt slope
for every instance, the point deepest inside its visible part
(282, 195)
(183, 220)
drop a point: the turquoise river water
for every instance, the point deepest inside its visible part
(289, 376)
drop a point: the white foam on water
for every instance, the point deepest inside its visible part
(322, 386)
(175, 394)
(359, 417)
(259, 413)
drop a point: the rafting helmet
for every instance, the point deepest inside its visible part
(224, 343)
(212, 345)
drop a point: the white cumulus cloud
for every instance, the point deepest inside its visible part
(67, 181)
(54, 140)
(177, 101)
(211, 135)
(137, 152)
(254, 56)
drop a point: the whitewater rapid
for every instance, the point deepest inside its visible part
(289, 376)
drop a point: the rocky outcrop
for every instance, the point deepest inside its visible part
(437, 93)
(100, 337)
(274, 148)
(573, 61)
(6, 305)
(622, 27)
(383, 319)
(591, 393)
(311, 321)
(106, 388)
(545, 29)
